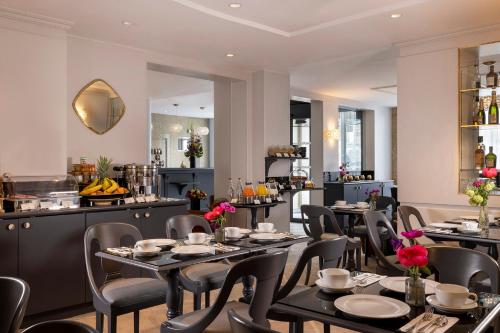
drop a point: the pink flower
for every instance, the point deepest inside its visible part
(412, 234)
(227, 207)
(478, 183)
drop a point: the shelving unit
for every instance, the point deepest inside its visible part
(269, 160)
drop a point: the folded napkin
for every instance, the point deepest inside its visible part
(451, 321)
(367, 279)
(225, 248)
(437, 230)
(120, 251)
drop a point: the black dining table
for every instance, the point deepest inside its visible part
(313, 304)
(168, 264)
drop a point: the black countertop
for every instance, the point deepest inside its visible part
(34, 213)
(358, 182)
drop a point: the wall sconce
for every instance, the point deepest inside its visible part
(203, 130)
(176, 128)
(332, 134)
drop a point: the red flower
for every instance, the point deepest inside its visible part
(218, 210)
(209, 216)
(415, 255)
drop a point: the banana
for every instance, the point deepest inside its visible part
(91, 190)
(94, 183)
(113, 182)
(112, 188)
(106, 184)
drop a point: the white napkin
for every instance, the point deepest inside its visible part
(120, 251)
(226, 248)
(368, 279)
(451, 321)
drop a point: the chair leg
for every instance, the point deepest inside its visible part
(207, 298)
(136, 321)
(296, 326)
(111, 323)
(366, 250)
(196, 301)
(326, 328)
(308, 271)
(358, 259)
(99, 319)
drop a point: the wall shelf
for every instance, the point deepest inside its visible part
(269, 160)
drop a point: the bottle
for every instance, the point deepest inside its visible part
(480, 118)
(491, 159)
(479, 154)
(493, 111)
(239, 190)
(491, 77)
(231, 191)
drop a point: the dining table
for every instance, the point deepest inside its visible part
(168, 264)
(314, 304)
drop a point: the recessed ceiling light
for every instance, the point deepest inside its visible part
(127, 23)
(395, 15)
(235, 5)
(229, 55)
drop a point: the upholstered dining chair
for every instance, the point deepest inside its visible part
(14, 300)
(60, 326)
(330, 253)
(318, 231)
(114, 295)
(459, 266)
(376, 222)
(240, 324)
(267, 269)
(200, 278)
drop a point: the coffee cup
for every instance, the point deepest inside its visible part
(145, 245)
(266, 227)
(232, 232)
(197, 237)
(453, 295)
(340, 202)
(469, 225)
(334, 277)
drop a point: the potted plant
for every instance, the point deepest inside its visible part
(478, 195)
(217, 219)
(373, 196)
(194, 147)
(196, 195)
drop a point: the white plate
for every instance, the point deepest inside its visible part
(265, 232)
(469, 305)
(351, 284)
(193, 249)
(245, 231)
(362, 207)
(163, 241)
(267, 236)
(147, 253)
(343, 207)
(188, 242)
(444, 225)
(469, 231)
(397, 284)
(372, 306)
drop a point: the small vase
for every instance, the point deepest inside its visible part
(192, 162)
(195, 204)
(483, 218)
(415, 290)
(220, 235)
(373, 205)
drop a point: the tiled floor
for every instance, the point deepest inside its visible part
(153, 317)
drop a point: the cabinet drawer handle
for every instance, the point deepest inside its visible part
(11, 227)
(26, 225)
(137, 216)
(147, 215)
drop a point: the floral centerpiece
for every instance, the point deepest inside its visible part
(217, 219)
(195, 195)
(415, 259)
(373, 196)
(478, 194)
(343, 171)
(194, 147)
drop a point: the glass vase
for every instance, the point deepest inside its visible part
(415, 290)
(373, 204)
(220, 235)
(483, 218)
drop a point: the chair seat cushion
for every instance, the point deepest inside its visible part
(126, 292)
(209, 273)
(219, 325)
(328, 235)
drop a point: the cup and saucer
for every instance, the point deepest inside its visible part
(197, 238)
(452, 298)
(362, 205)
(469, 227)
(265, 227)
(342, 204)
(146, 248)
(335, 280)
(233, 233)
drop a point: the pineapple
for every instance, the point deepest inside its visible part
(103, 165)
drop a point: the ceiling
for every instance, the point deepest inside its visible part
(295, 36)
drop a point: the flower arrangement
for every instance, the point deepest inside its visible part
(196, 193)
(343, 169)
(217, 216)
(194, 147)
(373, 194)
(413, 257)
(479, 192)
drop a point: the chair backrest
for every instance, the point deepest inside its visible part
(60, 326)
(267, 269)
(405, 212)
(383, 202)
(329, 251)
(314, 214)
(99, 237)
(374, 219)
(179, 226)
(15, 294)
(243, 325)
(458, 265)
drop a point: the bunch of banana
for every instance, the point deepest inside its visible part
(109, 185)
(91, 188)
(103, 187)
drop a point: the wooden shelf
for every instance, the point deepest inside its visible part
(485, 127)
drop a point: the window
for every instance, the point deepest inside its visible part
(351, 138)
(182, 144)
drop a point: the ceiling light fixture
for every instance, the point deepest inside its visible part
(395, 15)
(127, 23)
(229, 55)
(235, 5)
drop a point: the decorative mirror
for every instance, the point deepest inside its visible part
(99, 106)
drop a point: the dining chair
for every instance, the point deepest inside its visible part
(15, 294)
(318, 231)
(459, 266)
(360, 230)
(60, 326)
(386, 265)
(114, 295)
(200, 278)
(240, 324)
(405, 213)
(267, 269)
(330, 253)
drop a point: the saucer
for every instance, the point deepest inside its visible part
(188, 242)
(147, 253)
(469, 305)
(350, 284)
(265, 232)
(469, 231)
(244, 231)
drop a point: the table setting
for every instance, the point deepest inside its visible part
(359, 206)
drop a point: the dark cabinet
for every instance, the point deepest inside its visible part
(154, 219)
(51, 260)
(9, 247)
(354, 192)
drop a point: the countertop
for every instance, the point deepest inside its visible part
(34, 213)
(359, 182)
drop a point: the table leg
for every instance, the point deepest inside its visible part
(173, 297)
(253, 211)
(247, 289)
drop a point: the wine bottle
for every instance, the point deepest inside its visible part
(480, 117)
(491, 77)
(479, 154)
(491, 159)
(493, 111)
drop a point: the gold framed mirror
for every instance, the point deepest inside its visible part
(98, 106)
